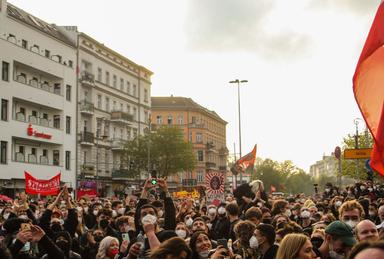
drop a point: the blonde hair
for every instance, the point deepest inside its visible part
(351, 205)
(104, 245)
(290, 246)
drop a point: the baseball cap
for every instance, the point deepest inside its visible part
(342, 231)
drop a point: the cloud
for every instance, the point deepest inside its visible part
(357, 7)
(227, 25)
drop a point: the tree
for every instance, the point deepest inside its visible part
(169, 153)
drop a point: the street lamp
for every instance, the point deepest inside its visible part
(238, 82)
(356, 122)
(97, 150)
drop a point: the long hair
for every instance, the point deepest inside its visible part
(173, 246)
(104, 245)
(290, 246)
(192, 243)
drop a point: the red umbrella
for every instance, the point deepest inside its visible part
(5, 198)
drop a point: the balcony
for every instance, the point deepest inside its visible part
(86, 108)
(55, 88)
(210, 147)
(197, 125)
(87, 138)
(87, 79)
(121, 174)
(88, 170)
(121, 117)
(117, 144)
(223, 151)
(222, 168)
(189, 182)
(210, 165)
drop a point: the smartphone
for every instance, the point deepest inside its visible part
(125, 236)
(154, 181)
(222, 242)
(25, 226)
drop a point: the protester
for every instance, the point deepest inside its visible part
(295, 246)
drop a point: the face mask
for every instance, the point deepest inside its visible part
(316, 241)
(212, 211)
(370, 189)
(61, 221)
(160, 213)
(338, 203)
(221, 210)
(189, 222)
(334, 255)
(98, 238)
(86, 209)
(305, 214)
(209, 225)
(114, 214)
(260, 204)
(149, 219)
(79, 209)
(181, 233)
(253, 242)
(362, 188)
(104, 223)
(327, 190)
(113, 252)
(351, 223)
(204, 254)
(26, 247)
(372, 213)
(288, 213)
(23, 217)
(267, 221)
(6, 216)
(95, 212)
(1, 210)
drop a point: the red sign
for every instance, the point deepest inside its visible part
(42, 187)
(31, 132)
(91, 193)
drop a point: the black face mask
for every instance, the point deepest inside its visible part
(56, 227)
(267, 221)
(63, 245)
(317, 241)
(104, 223)
(98, 238)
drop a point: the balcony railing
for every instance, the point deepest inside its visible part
(87, 107)
(88, 170)
(189, 182)
(121, 174)
(87, 138)
(123, 117)
(32, 159)
(197, 125)
(117, 144)
(210, 165)
(222, 168)
(56, 89)
(87, 78)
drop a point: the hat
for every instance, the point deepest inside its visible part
(341, 231)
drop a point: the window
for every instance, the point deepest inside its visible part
(99, 101)
(3, 152)
(68, 125)
(106, 77)
(45, 152)
(70, 63)
(47, 53)
(114, 81)
(128, 87)
(57, 88)
(56, 121)
(35, 48)
(134, 90)
(68, 92)
(56, 157)
(170, 119)
(134, 113)
(121, 84)
(145, 95)
(99, 74)
(4, 110)
(159, 119)
(128, 133)
(199, 176)
(128, 109)
(67, 160)
(199, 137)
(190, 137)
(121, 107)
(24, 44)
(200, 155)
(107, 104)
(180, 119)
(5, 71)
(146, 118)
(114, 106)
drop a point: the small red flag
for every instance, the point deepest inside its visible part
(368, 87)
(273, 188)
(247, 160)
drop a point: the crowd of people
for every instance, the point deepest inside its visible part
(338, 223)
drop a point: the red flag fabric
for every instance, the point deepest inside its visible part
(273, 188)
(368, 87)
(247, 160)
(42, 187)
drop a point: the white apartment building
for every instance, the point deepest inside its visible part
(38, 100)
(113, 106)
(328, 166)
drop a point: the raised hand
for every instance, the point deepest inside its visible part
(162, 182)
(37, 233)
(124, 246)
(24, 236)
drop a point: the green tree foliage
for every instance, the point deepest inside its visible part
(169, 153)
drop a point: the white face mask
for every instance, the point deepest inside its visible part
(95, 212)
(338, 203)
(181, 233)
(204, 254)
(351, 223)
(86, 209)
(1, 210)
(362, 188)
(114, 214)
(305, 214)
(79, 209)
(23, 216)
(121, 211)
(253, 242)
(6, 216)
(209, 225)
(288, 213)
(189, 222)
(370, 189)
(212, 211)
(149, 219)
(221, 210)
(160, 213)
(327, 190)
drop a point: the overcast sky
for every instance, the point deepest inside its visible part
(299, 57)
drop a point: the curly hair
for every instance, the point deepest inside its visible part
(244, 231)
(104, 245)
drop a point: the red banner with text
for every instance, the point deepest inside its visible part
(42, 187)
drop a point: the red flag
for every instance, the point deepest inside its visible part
(42, 187)
(273, 188)
(247, 160)
(368, 87)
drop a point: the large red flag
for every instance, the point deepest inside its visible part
(42, 187)
(368, 87)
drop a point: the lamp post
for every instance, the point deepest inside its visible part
(356, 122)
(97, 152)
(238, 82)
